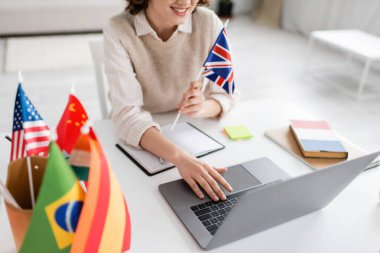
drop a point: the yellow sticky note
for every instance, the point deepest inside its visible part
(238, 132)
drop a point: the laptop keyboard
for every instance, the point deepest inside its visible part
(212, 214)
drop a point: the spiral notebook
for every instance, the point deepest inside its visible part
(184, 135)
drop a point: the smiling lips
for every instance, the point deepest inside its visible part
(180, 11)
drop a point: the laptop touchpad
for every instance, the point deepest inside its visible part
(239, 178)
(265, 170)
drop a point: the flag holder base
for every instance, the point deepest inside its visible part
(19, 220)
(18, 185)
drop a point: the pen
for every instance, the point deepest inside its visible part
(8, 138)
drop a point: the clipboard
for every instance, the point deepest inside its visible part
(185, 135)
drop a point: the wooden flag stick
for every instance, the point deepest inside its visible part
(29, 166)
(179, 113)
(196, 79)
(226, 23)
(30, 176)
(72, 90)
(20, 79)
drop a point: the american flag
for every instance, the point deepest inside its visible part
(30, 133)
(218, 65)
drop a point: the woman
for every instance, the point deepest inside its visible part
(154, 50)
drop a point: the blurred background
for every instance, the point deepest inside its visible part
(272, 54)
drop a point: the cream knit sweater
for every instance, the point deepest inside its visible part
(147, 75)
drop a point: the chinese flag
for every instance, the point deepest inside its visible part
(69, 126)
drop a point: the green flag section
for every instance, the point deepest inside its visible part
(79, 161)
(56, 213)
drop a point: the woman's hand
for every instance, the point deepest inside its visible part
(198, 173)
(192, 100)
(193, 104)
(194, 171)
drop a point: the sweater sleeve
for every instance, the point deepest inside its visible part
(215, 92)
(125, 91)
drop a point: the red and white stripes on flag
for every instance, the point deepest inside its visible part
(30, 133)
(218, 65)
(33, 140)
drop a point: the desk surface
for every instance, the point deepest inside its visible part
(351, 223)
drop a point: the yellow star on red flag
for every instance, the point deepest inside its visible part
(68, 129)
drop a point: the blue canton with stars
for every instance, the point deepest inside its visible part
(24, 110)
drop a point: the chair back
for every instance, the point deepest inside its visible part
(97, 53)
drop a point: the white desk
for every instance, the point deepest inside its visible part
(353, 43)
(351, 223)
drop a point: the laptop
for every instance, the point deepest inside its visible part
(264, 196)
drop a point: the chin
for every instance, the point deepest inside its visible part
(180, 20)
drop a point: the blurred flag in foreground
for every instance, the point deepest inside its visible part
(218, 65)
(30, 134)
(105, 224)
(58, 207)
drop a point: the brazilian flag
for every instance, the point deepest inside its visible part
(57, 210)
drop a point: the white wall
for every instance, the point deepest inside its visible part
(308, 15)
(47, 16)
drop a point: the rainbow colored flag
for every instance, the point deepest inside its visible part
(105, 224)
(57, 210)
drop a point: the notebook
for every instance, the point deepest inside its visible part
(185, 135)
(316, 139)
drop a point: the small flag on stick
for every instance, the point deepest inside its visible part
(218, 65)
(105, 224)
(57, 211)
(68, 129)
(30, 133)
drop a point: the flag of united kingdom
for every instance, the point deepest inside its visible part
(218, 65)
(30, 133)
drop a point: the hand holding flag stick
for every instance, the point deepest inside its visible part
(217, 67)
(179, 112)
